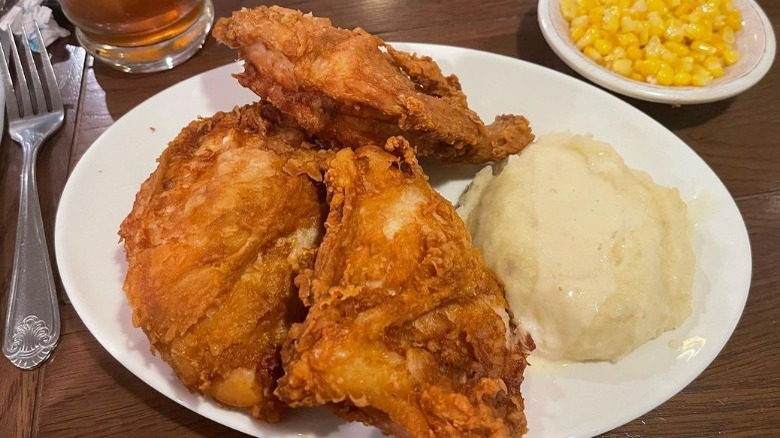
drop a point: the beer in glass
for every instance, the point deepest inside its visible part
(140, 35)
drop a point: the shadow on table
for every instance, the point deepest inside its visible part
(303, 421)
(681, 117)
(171, 411)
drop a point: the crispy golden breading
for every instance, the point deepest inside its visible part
(350, 88)
(213, 242)
(407, 329)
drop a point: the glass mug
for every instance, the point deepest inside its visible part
(140, 35)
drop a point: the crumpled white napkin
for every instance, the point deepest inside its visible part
(27, 11)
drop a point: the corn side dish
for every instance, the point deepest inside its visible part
(665, 42)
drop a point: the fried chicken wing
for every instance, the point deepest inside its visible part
(407, 329)
(350, 88)
(213, 242)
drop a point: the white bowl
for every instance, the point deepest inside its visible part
(755, 43)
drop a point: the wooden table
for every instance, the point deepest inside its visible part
(83, 391)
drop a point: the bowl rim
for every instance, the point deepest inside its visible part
(548, 11)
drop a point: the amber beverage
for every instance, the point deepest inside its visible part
(140, 35)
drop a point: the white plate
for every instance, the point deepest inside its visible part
(755, 43)
(578, 400)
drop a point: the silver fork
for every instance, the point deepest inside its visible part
(32, 325)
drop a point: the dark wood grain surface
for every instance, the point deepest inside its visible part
(83, 391)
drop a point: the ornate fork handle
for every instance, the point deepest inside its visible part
(32, 327)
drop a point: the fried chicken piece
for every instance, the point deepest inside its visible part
(407, 328)
(213, 243)
(351, 88)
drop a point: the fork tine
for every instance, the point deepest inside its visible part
(33, 70)
(12, 106)
(48, 71)
(21, 80)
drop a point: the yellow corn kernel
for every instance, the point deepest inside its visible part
(701, 78)
(708, 32)
(714, 65)
(656, 24)
(639, 6)
(602, 46)
(734, 20)
(633, 53)
(653, 48)
(596, 14)
(647, 67)
(677, 48)
(710, 8)
(686, 64)
(580, 21)
(611, 19)
(695, 17)
(668, 56)
(656, 6)
(637, 77)
(627, 39)
(674, 31)
(702, 47)
(585, 6)
(622, 67)
(719, 23)
(717, 42)
(577, 32)
(665, 75)
(592, 53)
(643, 34)
(695, 31)
(642, 67)
(682, 78)
(569, 9)
(684, 9)
(627, 24)
(616, 53)
(727, 35)
(587, 39)
(611, 24)
(730, 56)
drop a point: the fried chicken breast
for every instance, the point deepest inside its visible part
(407, 329)
(350, 88)
(213, 242)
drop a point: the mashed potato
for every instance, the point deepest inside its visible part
(596, 258)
